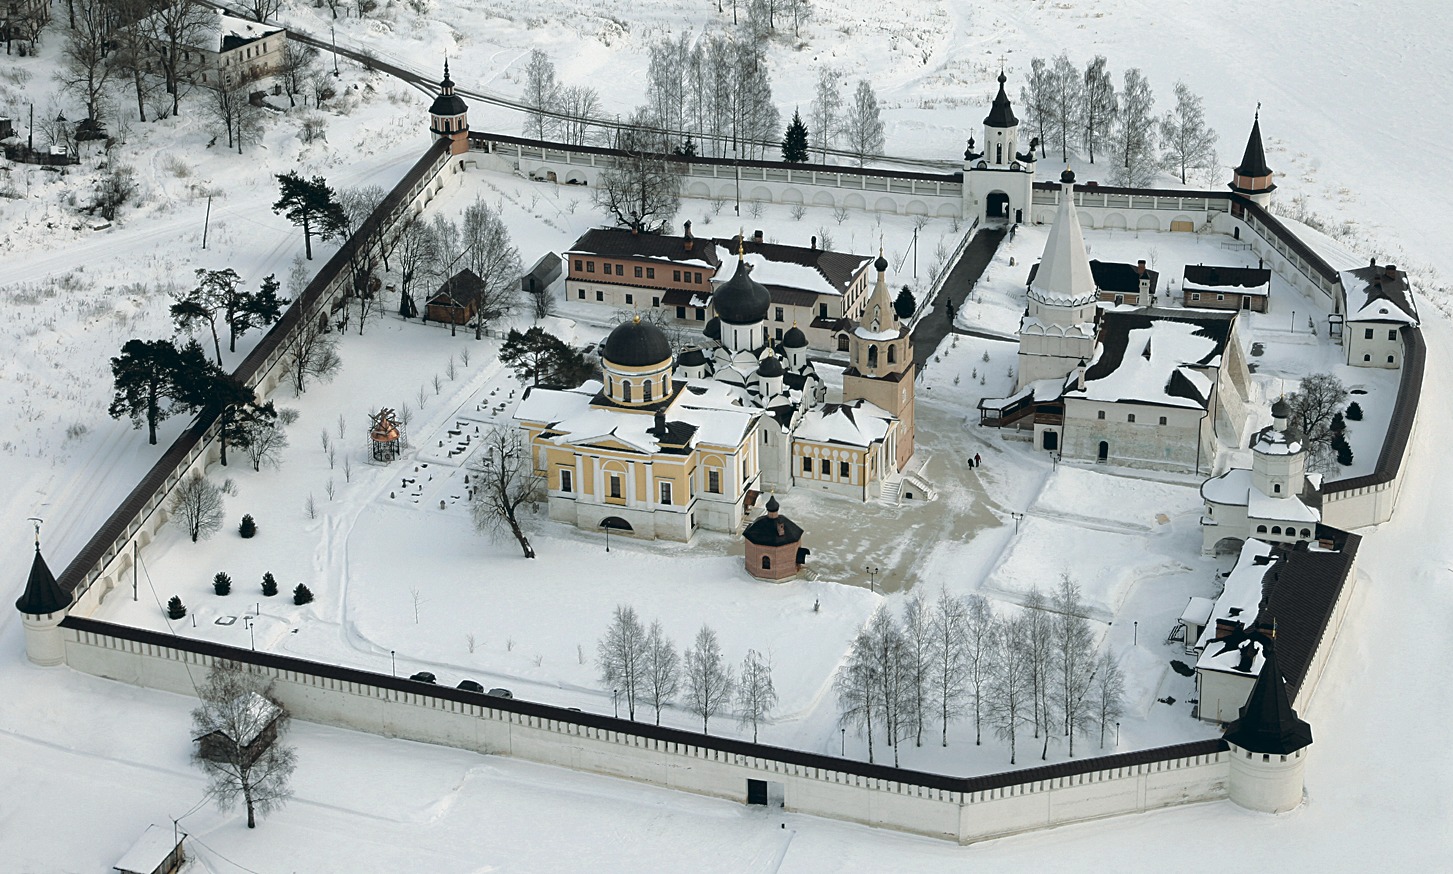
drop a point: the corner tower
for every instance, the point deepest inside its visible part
(42, 606)
(1268, 744)
(999, 181)
(449, 116)
(880, 363)
(1252, 178)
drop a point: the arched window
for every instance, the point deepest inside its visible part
(1276, 529)
(646, 391)
(766, 562)
(873, 356)
(1306, 534)
(999, 154)
(892, 354)
(1261, 529)
(1276, 488)
(626, 391)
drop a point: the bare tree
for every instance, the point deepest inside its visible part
(1316, 400)
(622, 657)
(1010, 704)
(918, 663)
(1038, 649)
(949, 681)
(240, 725)
(1097, 112)
(1034, 97)
(1133, 137)
(662, 670)
(642, 190)
(1189, 144)
(265, 437)
(1065, 102)
(709, 682)
(541, 92)
(981, 629)
(666, 80)
(1109, 693)
(87, 57)
(315, 354)
(890, 655)
(1074, 658)
(294, 67)
(506, 483)
(826, 111)
(756, 696)
(175, 29)
(415, 251)
(494, 259)
(856, 687)
(262, 10)
(117, 186)
(863, 126)
(579, 105)
(197, 504)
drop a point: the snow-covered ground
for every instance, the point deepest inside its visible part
(107, 759)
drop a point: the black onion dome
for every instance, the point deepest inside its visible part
(1281, 409)
(742, 300)
(42, 595)
(794, 338)
(636, 344)
(447, 103)
(1067, 177)
(767, 531)
(881, 265)
(692, 357)
(770, 367)
(1001, 114)
(713, 328)
(772, 505)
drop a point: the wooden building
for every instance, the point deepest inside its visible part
(456, 300)
(256, 721)
(1226, 288)
(158, 851)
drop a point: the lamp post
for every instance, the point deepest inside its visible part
(605, 523)
(843, 747)
(334, 37)
(393, 664)
(615, 698)
(1017, 517)
(1135, 633)
(1117, 735)
(251, 635)
(1293, 325)
(872, 573)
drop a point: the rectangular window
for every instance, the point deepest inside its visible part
(1220, 297)
(844, 470)
(599, 295)
(700, 314)
(650, 273)
(639, 271)
(713, 481)
(1195, 295)
(665, 493)
(630, 299)
(655, 302)
(615, 485)
(675, 275)
(1130, 418)
(826, 467)
(1100, 415)
(567, 479)
(1392, 335)
(589, 266)
(620, 270)
(681, 313)
(1367, 334)
(822, 310)
(1162, 420)
(698, 278)
(778, 333)
(779, 314)
(806, 464)
(582, 294)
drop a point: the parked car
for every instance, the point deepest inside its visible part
(423, 677)
(500, 693)
(470, 686)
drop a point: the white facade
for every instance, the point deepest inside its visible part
(1267, 782)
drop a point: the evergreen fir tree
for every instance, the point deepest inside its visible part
(1338, 424)
(222, 583)
(269, 584)
(794, 144)
(302, 595)
(1354, 411)
(687, 149)
(248, 527)
(905, 304)
(1344, 454)
(174, 608)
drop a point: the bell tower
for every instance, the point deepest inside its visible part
(880, 356)
(999, 180)
(449, 116)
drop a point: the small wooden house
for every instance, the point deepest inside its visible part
(158, 851)
(456, 300)
(543, 274)
(1226, 288)
(256, 722)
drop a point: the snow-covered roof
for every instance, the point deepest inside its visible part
(228, 32)
(811, 270)
(150, 850)
(254, 714)
(858, 424)
(1156, 357)
(1260, 505)
(1198, 611)
(1240, 601)
(1378, 294)
(572, 412)
(1063, 276)
(623, 243)
(1238, 280)
(1230, 488)
(1272, 441)
(863, 333)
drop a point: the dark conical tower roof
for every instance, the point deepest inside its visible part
(447, 102)
(1267, 723)
(42, 593)
(1001, 114)
(1253, 161)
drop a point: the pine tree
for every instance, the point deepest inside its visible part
(222, 583)
(174, 608)
(904, 305)
(154, 379)
(248, 527)
(311, 205)
(1354, 411)
(302, 595)
(794, 144)
(269, 584)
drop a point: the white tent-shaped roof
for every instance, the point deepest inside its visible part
(1064, 277)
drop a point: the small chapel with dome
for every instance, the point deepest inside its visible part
(663, 444)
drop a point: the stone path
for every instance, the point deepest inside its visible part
(934, 326)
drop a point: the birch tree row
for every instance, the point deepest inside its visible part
(643, 668)
(1070, 109)
(1031, 677)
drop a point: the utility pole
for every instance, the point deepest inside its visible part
(207, 222)
(915, 252)
(334, 37)
(135, 557)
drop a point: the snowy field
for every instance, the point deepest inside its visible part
(1376, 777)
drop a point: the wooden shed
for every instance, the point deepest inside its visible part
(542, 275)
(256, 723)
(158, 851)
(455, 301)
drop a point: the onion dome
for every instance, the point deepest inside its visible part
(881, 265)
(1281, 409)
(770, 367)
(713, 328)
(794, 338)
(447, 103)
(1067, 177)
(636, 344)
(692, 357)
(742, 300)
(773, 529)
(42, 595)
(1001, 114)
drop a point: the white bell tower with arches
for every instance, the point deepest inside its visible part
(998, 178)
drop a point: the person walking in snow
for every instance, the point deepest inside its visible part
(976, 460)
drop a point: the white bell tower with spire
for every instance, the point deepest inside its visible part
(998, 178)
(1059, 324)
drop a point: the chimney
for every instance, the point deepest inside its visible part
(1140, 267)
(814, 241)
(660, 429)
(1391, 271)
(1248, 657)
(690, 241)
(756, 237)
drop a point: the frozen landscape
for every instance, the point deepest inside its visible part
(405, 584)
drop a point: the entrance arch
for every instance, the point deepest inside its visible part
(617, 523)
(1228, 546)
(1104, 454)
(996, 205)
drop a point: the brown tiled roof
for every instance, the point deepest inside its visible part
(623, 243)
(988, 782)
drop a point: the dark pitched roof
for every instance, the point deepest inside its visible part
(1112, 276)
(464, 285)
(624, 243)
(42, 595)
(1115, 328)
(1001, 114)
(1299, 592)
(1209, 276)
(766, 531)
(1268, 724)
(1253, 160)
